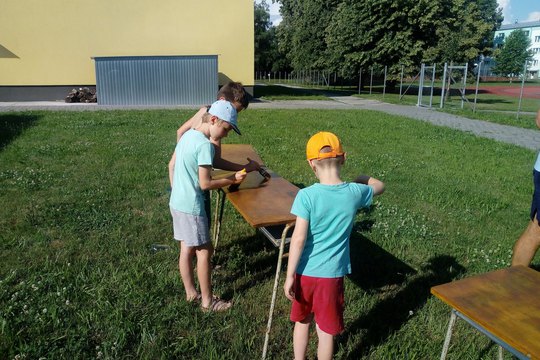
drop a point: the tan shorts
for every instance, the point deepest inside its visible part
(189, 228)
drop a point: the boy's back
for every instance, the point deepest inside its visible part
(330, 210)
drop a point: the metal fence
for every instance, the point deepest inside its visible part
(431, 85)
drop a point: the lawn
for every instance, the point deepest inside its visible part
(85, 196)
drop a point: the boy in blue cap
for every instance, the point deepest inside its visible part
(190, 177)
(319, 248)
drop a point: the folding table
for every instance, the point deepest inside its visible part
(266, 208)
(502, 304)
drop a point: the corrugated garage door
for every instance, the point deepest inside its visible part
(156, 80)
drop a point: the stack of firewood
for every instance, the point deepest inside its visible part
(83, 95)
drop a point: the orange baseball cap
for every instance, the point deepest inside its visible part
(320, 140)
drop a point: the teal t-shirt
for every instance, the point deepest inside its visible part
(537, 163)
(193, 150)
(330, 211)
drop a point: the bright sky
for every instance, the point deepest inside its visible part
(520, 10)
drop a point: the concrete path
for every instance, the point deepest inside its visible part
(526, 138)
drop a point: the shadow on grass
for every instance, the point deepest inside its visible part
(493, 101)
(278, 90)
(373, 268)
(13, 125)
(254, 253)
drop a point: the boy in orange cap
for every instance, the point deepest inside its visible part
(319, 249)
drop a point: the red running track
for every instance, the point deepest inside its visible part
(530, 92)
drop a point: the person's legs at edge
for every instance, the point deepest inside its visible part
(185, 265)
(325, 349)
(527, 244)
(204, 255)
(301, 337)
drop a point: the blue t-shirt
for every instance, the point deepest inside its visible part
(193, 150)
(330, 211)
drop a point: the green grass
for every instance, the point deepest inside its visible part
(277, 92)
(85, 195)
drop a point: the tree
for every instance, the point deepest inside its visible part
(346, 35)
(267, 55)
(492, 15)
(384, 32)
(514, 53)
(462, 34)
(301, 34)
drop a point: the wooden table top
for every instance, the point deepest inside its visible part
(238, 153)
(267, 205)
(504, 302)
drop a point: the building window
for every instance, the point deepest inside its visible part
(537, 38)
(527, 33)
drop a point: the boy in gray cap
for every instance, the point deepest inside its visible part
(191, 176)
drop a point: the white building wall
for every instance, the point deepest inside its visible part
(532, 30)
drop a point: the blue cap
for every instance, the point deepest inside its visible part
(225, 111)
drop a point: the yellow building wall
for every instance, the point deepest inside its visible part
(52, 42)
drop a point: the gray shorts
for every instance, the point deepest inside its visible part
(191, 229)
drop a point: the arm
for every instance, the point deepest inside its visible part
(377, 185)
(191, 123)
(538, 118)
(171, 167)
(207, 183)
(296, 247)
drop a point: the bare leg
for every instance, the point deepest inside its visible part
(301, 337)
(185, 265)
(527, 244)
(325, 350)
(204, 254)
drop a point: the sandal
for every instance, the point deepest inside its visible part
(217, 305)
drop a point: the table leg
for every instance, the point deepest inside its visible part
(495, 339)
(274, 292)
(451, 325)
(218, 214)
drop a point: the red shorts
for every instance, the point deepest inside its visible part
(324, 297)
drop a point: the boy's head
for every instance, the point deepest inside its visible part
(323, 145)
(225, 111)
(235, 93)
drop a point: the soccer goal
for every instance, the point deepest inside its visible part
(454, 79)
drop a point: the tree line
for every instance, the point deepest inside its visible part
(344, 36)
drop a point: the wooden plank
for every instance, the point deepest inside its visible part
(267, 205)
(260, 203)
(504, 302)
(238, 153)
